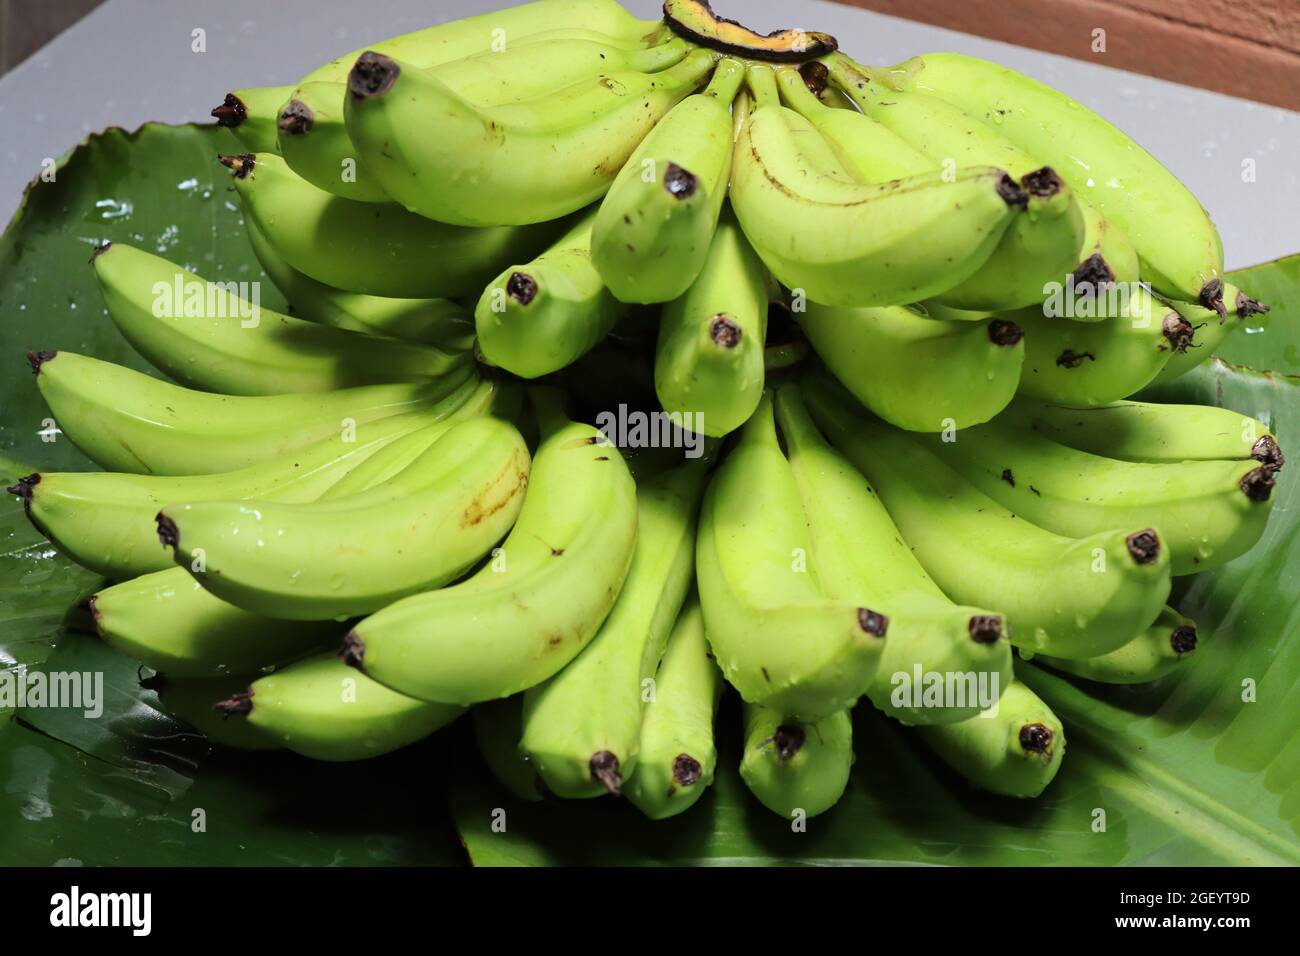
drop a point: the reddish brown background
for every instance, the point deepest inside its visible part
(1248, 48)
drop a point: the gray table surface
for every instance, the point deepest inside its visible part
(131, 61)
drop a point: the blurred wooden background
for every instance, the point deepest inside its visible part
(1248, 48)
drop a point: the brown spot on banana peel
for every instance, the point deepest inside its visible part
(484, 507)
(724, 331)
(985, 628)
(231, 113)
(522, 288)
(1211, 297)
(37, 359)
(168, 533)
(241, 165)
(1009, 477)
(1269, 453)
(353, 651)
(1072, 359)
(1258, 484)
(789, 740)
(1143, 546)
(1178, 332)
(1042, 183)
(372, 75)
(873, 622)
(1183, 640)
(680, 183)
(694, 20)
(816, 76)
(240, 704)
(1036, 739)
(604, 771)
(686, 770)
(296, 118)
(1005, 333)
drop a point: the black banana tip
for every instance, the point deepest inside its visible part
(522, 287)
(724, 331)
(240, 704)
(604, 770)
(1144, 546)
(241, 165)
(1212, 298)
(1267, 452)
(1246, 306)
(1036, 739)
(100, 249)
(816, 76)
(1005, 333)
(154, 682)
(168, 533)
(985, 628)
(296, 118)
(789, 740)
(1093, 274)
(353, 651)
(91, 606)
(1042, 183)
(1183, 639)
(686, 771)
(680, 183)
(372, 75)
(37, 359)
(231, 113)
(23, 488)
(873, 622)
(1258, 484)
(1011, 192)
(1178, 332)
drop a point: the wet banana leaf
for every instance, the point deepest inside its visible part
(1185, 771)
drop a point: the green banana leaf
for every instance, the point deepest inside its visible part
(1181, 772)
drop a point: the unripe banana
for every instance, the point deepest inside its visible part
(372, 248)
(918, 373)
(323, 709)
(582, 727)
(847, 243)
(709, 359)
(355, 555)
(204, 335)
(1068, 597)
(314, 143)
(778, 639)
(1040, 248)
(1209, 329)
(678, 755)
(1180, 250)
(1153, 654)
(497, 726)
(1142, 431)
(541, 599)
(443, 157)
(1015, 751)
(538, 318)
(796, 768)
(1095, 363)
(190, 701)
(128, 421)
(858, 555)
(653, 231)
(438, 322)
(1208, 512)
(252, 114)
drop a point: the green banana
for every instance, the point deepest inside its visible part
(251, 114)
(354, 555)
(443, 157)
(921, 374)
(497, 726)
(1015, 752)
(531, 610)
(928, 634)
(1095, 363)
(205, 335)
(678, 756)
(846, 243)
(1209, 329)
(1179, 248)
(439, 322)
(1143, 431)
(323, 709)
(652, 233)
(796, 768)
(1208, 512)
(372, 248)
(313, 138)
(709, 360)
(128, 421)
(778, 639)
(582, 728)
(1067, 597)
(1153, 654)
(1040, 248)
(190, 701)
(541, 317)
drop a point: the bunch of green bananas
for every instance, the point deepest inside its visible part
(343, 527)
